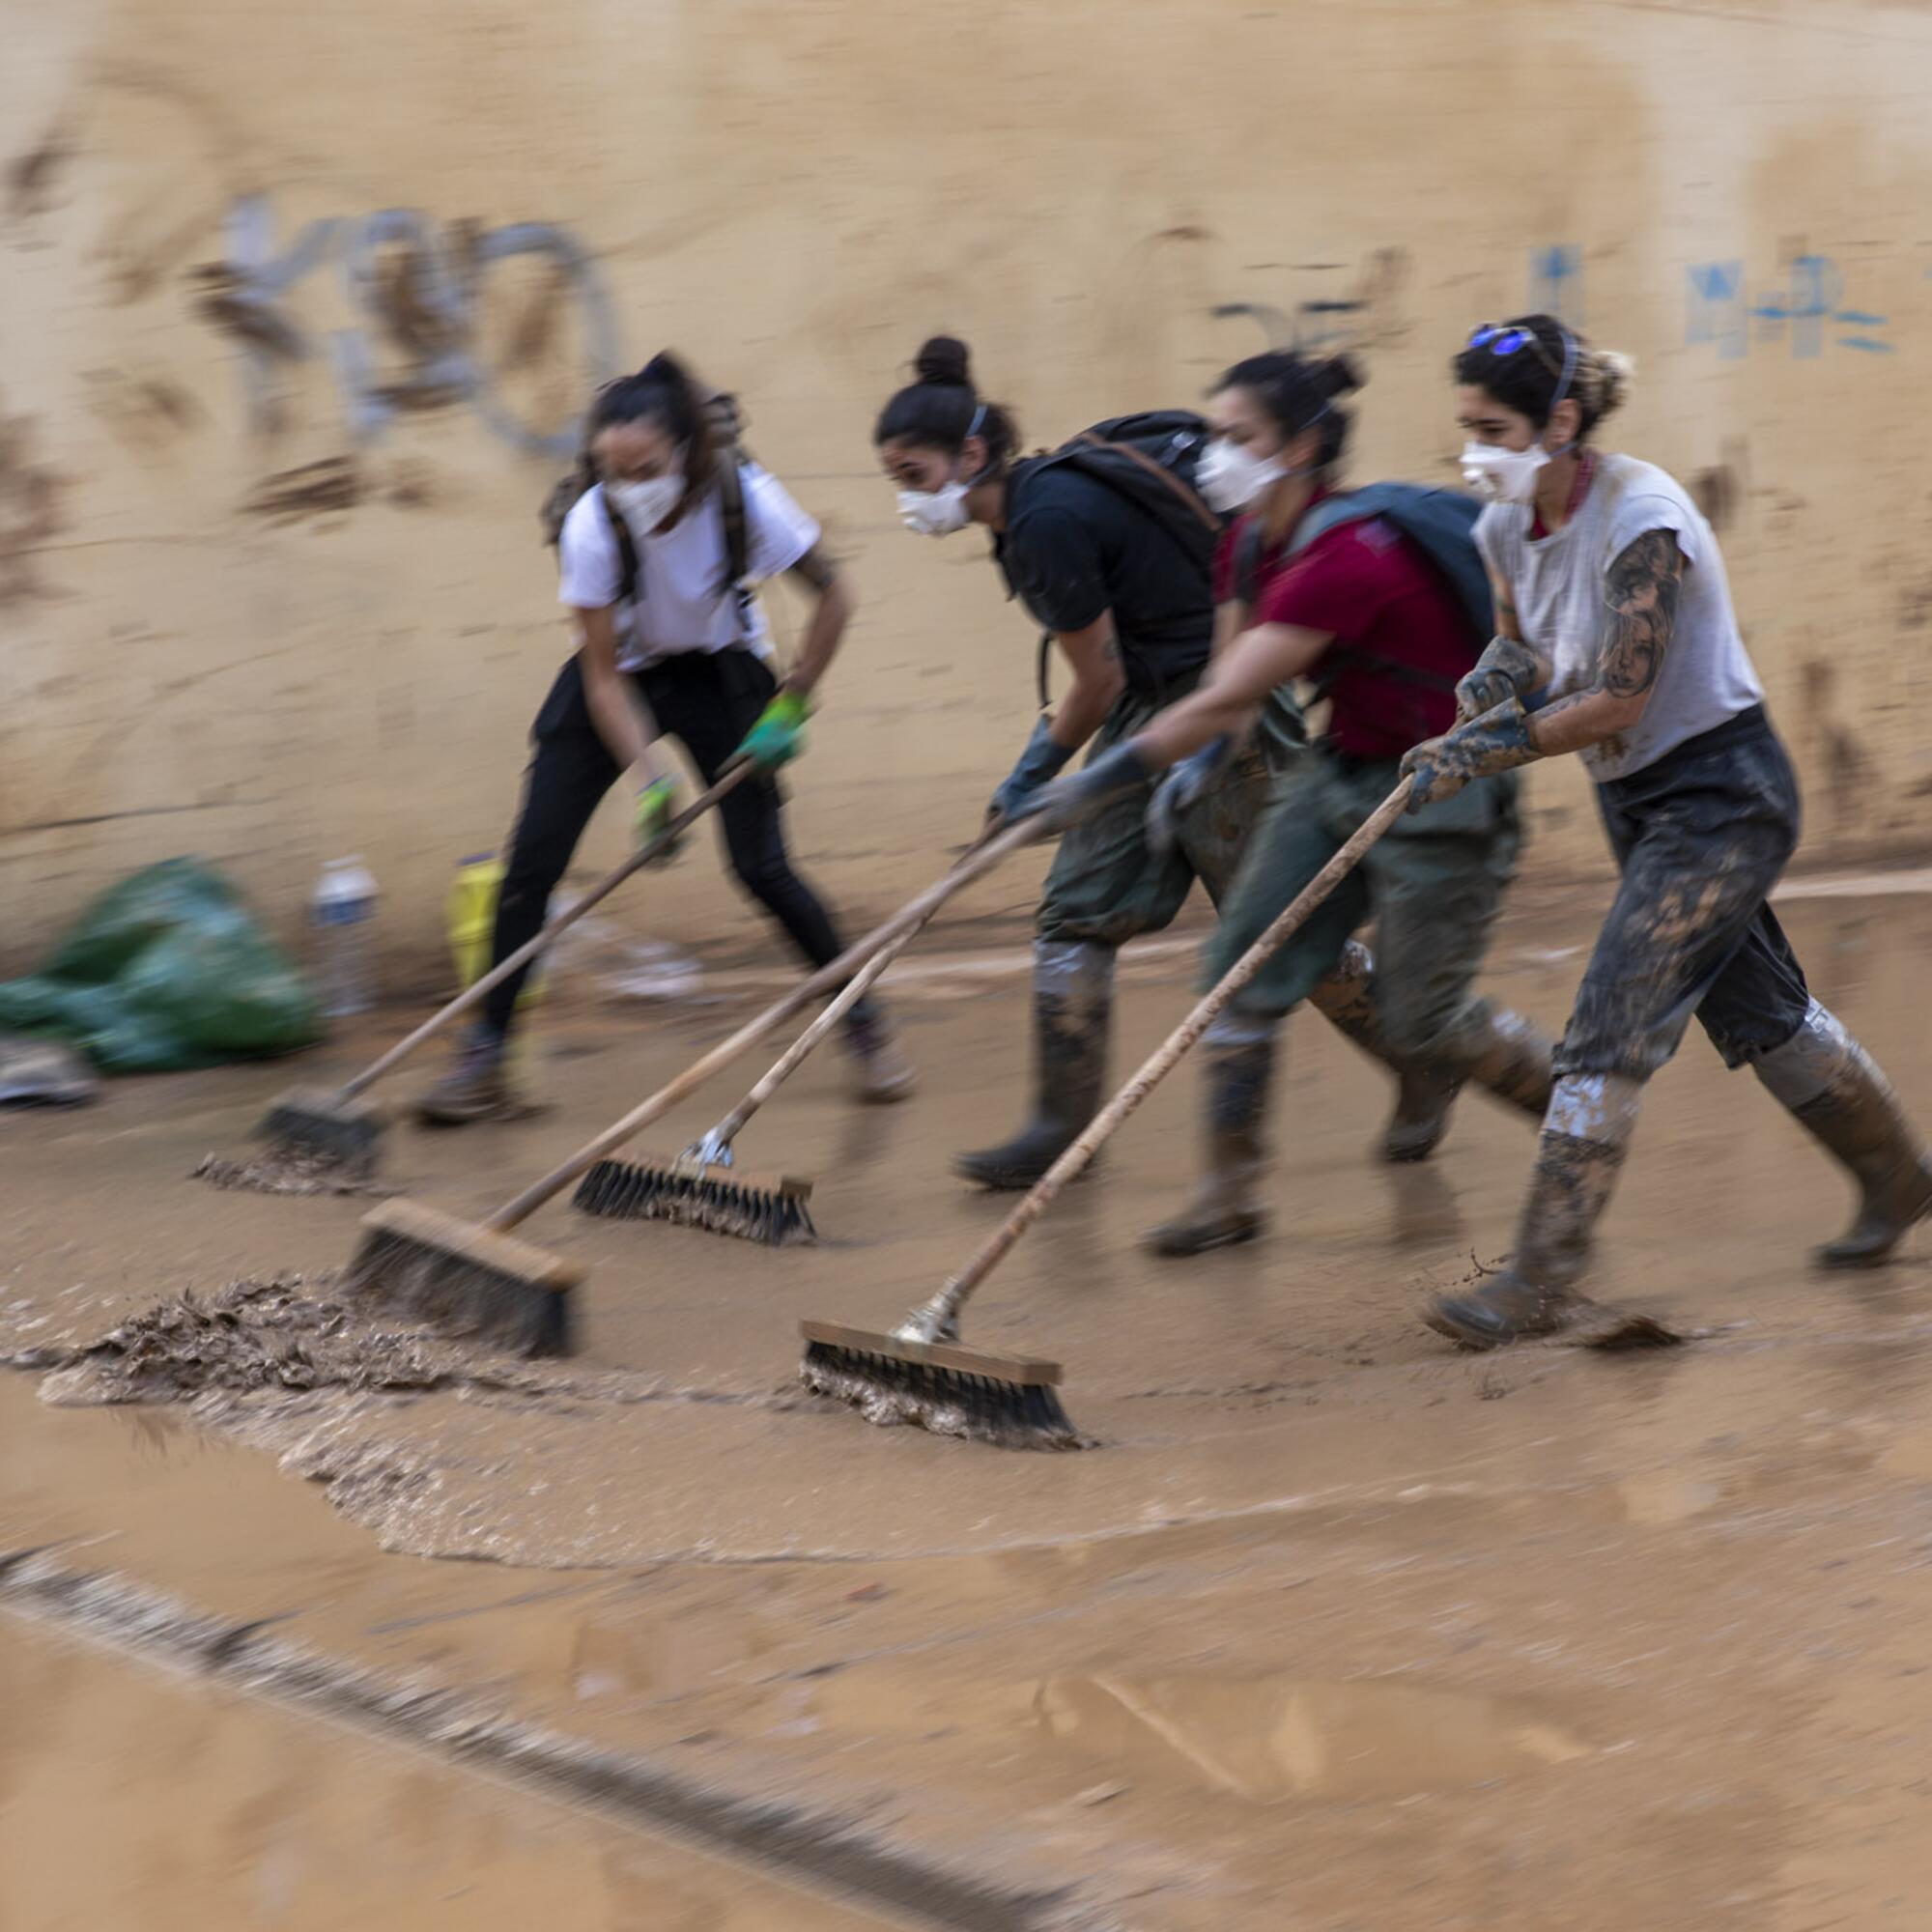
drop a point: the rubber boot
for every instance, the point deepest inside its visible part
(477, 1088)
(1239, 1052)
(1578, 1156)
(1072, 1008)
(1497, 1049)
(1837, 1094)
(881, 1072)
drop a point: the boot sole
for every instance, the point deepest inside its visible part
(506, 1110)
(1182, 1247)
(1480, 1337)
(1010, 1180)
(1841, 1258)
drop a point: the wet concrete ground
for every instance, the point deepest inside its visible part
(1336, 1627)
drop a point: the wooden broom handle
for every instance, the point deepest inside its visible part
(936, 1317)
(478, 990)
(909, 918)
(802, 1049)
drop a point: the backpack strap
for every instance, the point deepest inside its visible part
(1248, 562)
(1188, 497)
(737, 540)
(629, 567)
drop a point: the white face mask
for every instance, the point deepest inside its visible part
(1503, 476)
(1230, 478)
(645, 504)
(935, 513)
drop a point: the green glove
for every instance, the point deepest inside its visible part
(656, 807)
(778, 735)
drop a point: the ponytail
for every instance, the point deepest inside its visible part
(939, 409)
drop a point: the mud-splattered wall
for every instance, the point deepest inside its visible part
(296, 301)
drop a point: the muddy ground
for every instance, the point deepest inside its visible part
(1335, 1628)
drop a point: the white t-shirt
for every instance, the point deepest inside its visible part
(680, 571)
(1559, 585)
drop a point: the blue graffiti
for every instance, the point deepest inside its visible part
(1556, 282)
(1805, 312)
(419, 289)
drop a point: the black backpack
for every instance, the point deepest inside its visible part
(731, 480)
(1152, 459)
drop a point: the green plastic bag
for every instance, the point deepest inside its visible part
(166, 970)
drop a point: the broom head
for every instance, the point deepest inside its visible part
(313, 1120)
(464, 1280)
(1005, 1400)
(773, 1209)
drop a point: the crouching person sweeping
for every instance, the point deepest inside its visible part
(658, 558)
(1377, 598)
(1619, 644)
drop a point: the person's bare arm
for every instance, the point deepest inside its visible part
(1093, 656)
(1231, 620)
(622, 721)
(1643, 590)
(833, 605)
(1229, 698)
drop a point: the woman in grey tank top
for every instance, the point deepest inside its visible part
(1617, 641)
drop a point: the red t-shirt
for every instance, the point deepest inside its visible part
(1368, 584)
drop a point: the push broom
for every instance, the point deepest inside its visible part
(918, 1373)
(337, 1125)
(702, 1187)
(473, 1278)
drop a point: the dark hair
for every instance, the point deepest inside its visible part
(940, 408)
(665, 393)
(1298, 391)
(1527, 378)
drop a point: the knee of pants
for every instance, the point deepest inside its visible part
(1618, 1029)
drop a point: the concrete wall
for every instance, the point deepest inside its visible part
(269, 578)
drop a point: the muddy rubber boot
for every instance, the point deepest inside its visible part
(1578, 1156)
(1239, 1054)
(1072, 1008)
(1835, 1091)
(1422, 1103)
(1499, 1050)
(881, 1072)
(476, 1088)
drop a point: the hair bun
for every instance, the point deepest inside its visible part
(944, 361)
(1339, 376)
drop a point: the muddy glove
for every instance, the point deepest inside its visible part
(1041, 760)
(1507, 668)
(1498, 741)
(778, 735)
(1182, 789)
(1067, 801)
(656, 807)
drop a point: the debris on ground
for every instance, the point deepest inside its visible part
(285, 1170)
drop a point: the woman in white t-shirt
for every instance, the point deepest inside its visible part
(671, 637)
(1618, 642)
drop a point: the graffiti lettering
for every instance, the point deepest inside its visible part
(1805, 311)
(1556, 282)
(1369, 317)
(418, 289)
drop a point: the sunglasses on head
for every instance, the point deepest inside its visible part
(1499, 339)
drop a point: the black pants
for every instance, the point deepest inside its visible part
(1700, 838)
(707, 703)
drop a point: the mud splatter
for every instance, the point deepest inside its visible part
(315, 489)
(30, 510)
(32, 176)
(283, 1171)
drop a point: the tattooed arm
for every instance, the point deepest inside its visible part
(830, 611)
(1641, 591)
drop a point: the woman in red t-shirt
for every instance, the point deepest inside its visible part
(1314, 586)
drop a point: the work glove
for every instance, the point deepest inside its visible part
(656, 806)
(1498, 741)
(778, 735)
(1183, 787)
(1067, 801)
(1041, 760)
(1507, 668)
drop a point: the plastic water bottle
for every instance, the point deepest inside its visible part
(342, 912)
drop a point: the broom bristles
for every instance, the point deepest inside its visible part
(308, 1121)
(719, 1199)
(1006, 1400)
(464, 1280)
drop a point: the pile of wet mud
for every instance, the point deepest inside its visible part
(283, 1171)
(253, 1335)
